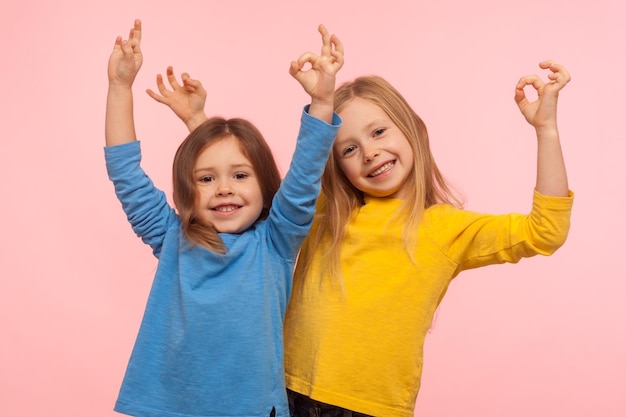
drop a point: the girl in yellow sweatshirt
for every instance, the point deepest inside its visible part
(388, 238)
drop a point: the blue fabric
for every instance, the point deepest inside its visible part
(211, 339)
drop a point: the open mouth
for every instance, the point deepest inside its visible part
(384, 168)
(226, 208)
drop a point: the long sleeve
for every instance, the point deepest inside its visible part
(145, 206)
(473, 239)
(293, 207)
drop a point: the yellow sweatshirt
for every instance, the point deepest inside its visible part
(361, 348)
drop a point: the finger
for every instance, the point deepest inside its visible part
(155, 96)
(520, 95)
(326, 44)
(533, 80)
(187, 80)
(309, 57)
(134, 37)
(546, 64)
(338, 46)
(137, 30)
(171, 78)
(554, 67)
(126, 48)
(161, 86)
(196, 84)
(559, 73)
(294, 68)
(118, 43)
(338, 58)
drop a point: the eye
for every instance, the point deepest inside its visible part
(241, 176)
(206, 179)
(379, 132)
(348, 150)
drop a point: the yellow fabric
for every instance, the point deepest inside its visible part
(361, 347)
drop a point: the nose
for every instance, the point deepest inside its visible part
(224, 189)
(369, 156)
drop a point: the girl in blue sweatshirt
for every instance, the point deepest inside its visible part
(210, 343)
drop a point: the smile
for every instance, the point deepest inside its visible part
(226, 208)
(382, 169)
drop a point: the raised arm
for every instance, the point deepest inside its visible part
(186, 100)
(319, 80)
(541, 114)
(124, 64)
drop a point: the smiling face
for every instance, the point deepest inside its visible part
(228, 190)
(372, 152)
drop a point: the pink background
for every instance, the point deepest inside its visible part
(546, 337)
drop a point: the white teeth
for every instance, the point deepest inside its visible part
(225, 209)
(382, 169)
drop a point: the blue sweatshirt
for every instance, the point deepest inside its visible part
(211, 339)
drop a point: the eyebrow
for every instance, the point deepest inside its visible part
(368, 127)
(234, 167)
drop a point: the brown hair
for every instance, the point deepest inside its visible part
(253, 146)
(340, 199)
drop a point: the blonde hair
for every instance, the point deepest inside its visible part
(185, 192)
(340, 199)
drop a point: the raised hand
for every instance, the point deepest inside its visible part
(124, 64)
(541, 113)
(126, 58)
(186, 100)
(319, 80)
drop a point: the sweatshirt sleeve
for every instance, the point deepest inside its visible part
(293, 206)
(473, 240)
(145, 206)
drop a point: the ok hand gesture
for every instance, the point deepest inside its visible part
(319, 80)
(541, 113)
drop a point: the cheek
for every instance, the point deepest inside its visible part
(199, 197)
(348, 166)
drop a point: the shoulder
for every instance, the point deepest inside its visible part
(446, 221)
(438, 213)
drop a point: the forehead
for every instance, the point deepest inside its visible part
(359, 116)
(360, 106)
(224, 152)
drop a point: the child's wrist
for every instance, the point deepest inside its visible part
(120, 85)
(547, 131)
(322, 102)
(195, 120)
